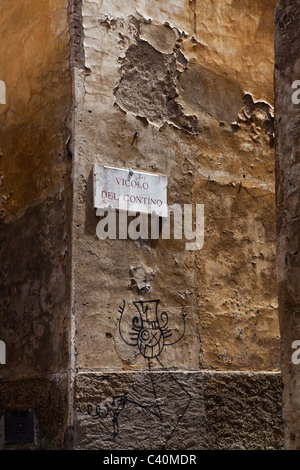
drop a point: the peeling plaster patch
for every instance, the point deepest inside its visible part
(108, 23)
(161, 37)
(141, 276)
(259, 111)
(182, 61)
(148, 87)
(201, 90)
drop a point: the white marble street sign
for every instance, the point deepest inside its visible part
(129, 190)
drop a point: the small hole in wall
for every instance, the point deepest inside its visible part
(109, 335)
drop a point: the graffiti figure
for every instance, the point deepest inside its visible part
(150, 333)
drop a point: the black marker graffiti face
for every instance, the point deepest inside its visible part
(150, 340)
(149, 330)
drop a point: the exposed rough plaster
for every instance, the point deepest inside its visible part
(147, 87)
(259, 111)
(141, 277)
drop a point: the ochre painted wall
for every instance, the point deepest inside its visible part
(35, 199)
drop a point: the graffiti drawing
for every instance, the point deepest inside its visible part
(150, 333)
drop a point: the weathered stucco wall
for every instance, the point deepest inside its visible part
(35, 214)
(287, 71)
(181, 88)
(185, 89)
